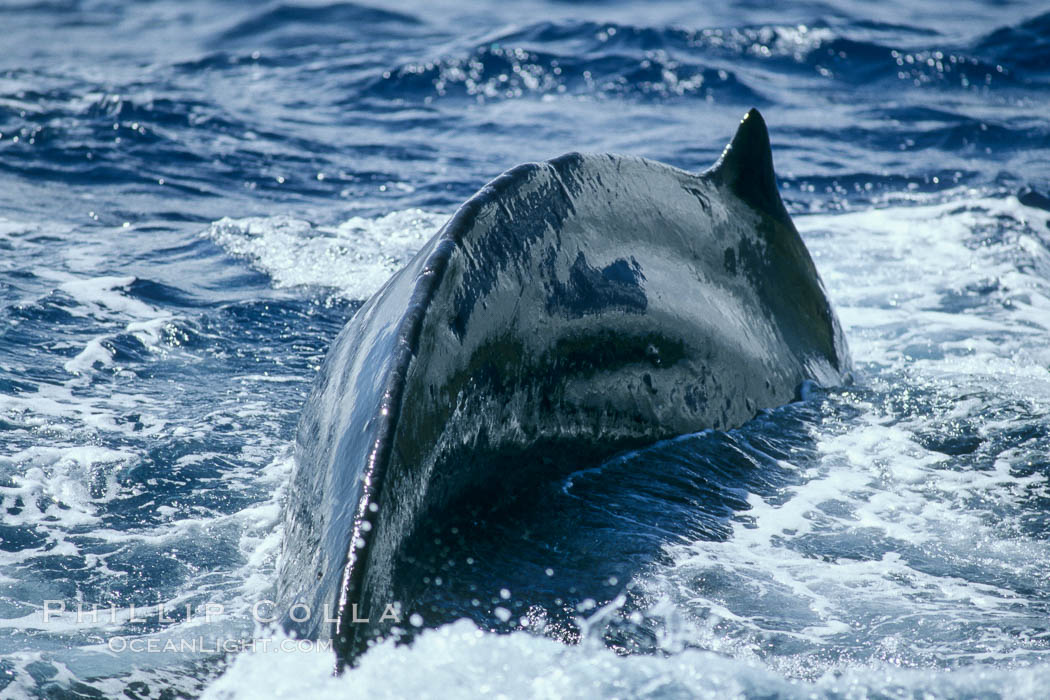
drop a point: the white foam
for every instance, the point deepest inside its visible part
(904, 262)
(106, 300)
(104, 297)
(458, 660)
(60, 484)
(356, 257)
(59, 408)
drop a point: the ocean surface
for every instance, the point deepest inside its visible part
(196, 195)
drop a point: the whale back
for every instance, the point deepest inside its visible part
(570, 310)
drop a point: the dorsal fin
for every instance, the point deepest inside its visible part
(746, 167)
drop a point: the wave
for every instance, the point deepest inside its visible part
(498, 72)
(625, 61)
(1025, 46)
(178, 130)
(284, 25)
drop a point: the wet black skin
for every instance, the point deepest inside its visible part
(569, 311)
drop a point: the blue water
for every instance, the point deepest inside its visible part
(195, 196)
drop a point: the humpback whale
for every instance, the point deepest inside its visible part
(569, 311)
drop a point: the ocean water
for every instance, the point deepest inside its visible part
(195, 197)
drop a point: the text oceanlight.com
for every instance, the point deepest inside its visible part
(202, 645)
